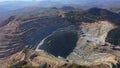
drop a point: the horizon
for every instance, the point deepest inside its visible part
(78, 1)
(15, 4)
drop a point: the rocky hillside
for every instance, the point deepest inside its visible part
(93, 15)
(18, 34)
(69, 39)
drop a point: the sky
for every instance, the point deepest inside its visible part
(21, 0)
(72, 1)
(78, 2)
(68, 0)
(58, 0)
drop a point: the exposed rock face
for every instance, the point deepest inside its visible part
(58, 42)
(90, 37)
(61, 42)
(97, 31)
(29, 58)
(32, 58)
(18, 34)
